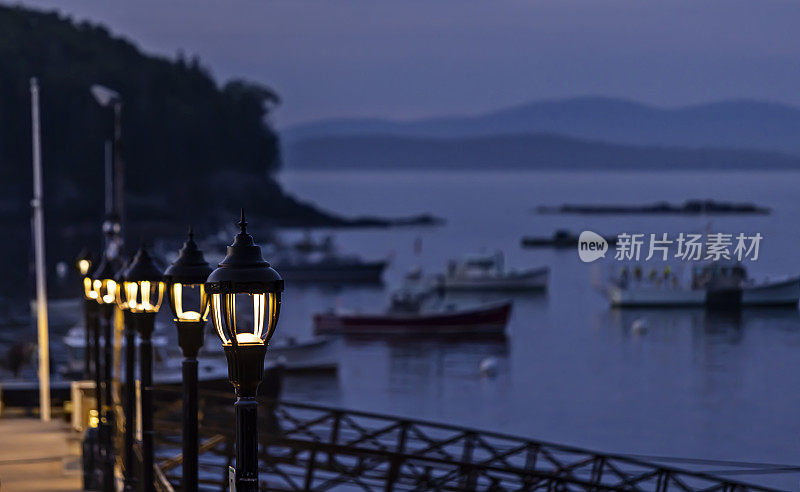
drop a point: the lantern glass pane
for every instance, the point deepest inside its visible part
(251, 318)
(88, 291)
(105, 291)
(120, 297)
(189, 301)
(218, 319)
(144, 296)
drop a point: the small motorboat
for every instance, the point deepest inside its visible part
(407, 316)
(484, 273)
(717, 284)
(320, 262)
(316, 355)
(329, 269)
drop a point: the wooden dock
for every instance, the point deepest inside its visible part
(38, 456)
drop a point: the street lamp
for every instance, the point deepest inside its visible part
(245, 304)
(91, 451)
(185, 280)
(105, 288)
(130, 379)
(109, 98)
(144, 290)
(84, 266)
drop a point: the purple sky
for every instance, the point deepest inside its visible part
(412, 58)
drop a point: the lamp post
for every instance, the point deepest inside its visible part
(129, 408)
(144, 290)
(84, 266)
(109, 98)
(91, 351)
(105, 290)
(245, 303)
(185, 280)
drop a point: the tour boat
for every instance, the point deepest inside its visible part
(486, 273)
(716, 285)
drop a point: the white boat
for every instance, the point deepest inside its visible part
(487, 273)
(315, 355)
(717, 284)
(318, 354)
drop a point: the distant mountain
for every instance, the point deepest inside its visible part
(738, 124)
(528, 152)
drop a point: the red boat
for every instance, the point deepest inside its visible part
(484, 320)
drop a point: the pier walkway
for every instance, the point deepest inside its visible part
(311, 447)
(38, 456)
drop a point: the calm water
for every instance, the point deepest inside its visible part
(572, 371)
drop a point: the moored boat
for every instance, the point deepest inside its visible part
(330, 269)
(715, 285)
(485, 320)
(484, 273)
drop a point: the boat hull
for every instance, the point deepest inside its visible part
(489, 320)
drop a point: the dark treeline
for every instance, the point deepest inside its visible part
(193, 150)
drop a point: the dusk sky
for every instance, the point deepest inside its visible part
(408, 59)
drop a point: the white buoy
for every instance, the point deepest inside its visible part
(639, 326)
(488, 367)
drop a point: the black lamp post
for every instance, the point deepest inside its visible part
(129, 408)
(84, 266)
(185, 280)
(144, 290)
(91, 351)
(105, 290)
(245, 303)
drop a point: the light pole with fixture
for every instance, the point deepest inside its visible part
(129, 408)
(245, 304)
(188, 300)
(104, 286)
(144, 291)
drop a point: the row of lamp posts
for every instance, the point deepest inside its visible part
(244, 287)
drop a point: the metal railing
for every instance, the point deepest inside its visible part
(312, 447)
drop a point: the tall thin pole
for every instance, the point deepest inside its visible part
(119, 170)
(145, 324)
(130, 398)
(190, 339)
(108, 161)
(41, 286)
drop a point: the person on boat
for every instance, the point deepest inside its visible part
(623, 277)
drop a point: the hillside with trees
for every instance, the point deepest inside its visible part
(194, 150)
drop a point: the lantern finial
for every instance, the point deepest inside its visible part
(243, 223)
(191, 232)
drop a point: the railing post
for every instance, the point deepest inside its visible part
(467, 471)
(312, 463)
(394, 469)
(530, 465)
(337, 418)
